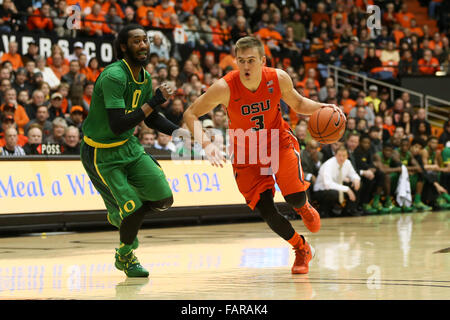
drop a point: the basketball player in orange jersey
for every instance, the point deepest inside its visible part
(252, 96)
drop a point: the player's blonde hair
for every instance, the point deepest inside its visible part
(249, 42)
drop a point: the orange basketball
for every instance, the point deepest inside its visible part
(327, 125)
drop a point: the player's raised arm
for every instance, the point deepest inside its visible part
(218, 93)
(298, 103)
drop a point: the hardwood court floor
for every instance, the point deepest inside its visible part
(402, 256)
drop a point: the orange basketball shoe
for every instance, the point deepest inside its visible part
(303, 254)
(310, 217)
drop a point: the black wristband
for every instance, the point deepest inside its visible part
(157, 121)
(157, 99)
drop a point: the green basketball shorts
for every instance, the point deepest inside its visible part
(125, 176)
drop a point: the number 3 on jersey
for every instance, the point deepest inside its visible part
(259, 122)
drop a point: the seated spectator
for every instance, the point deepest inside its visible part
(373, 98)
(391, 167)
(346, 101)
(363, 112)
(56, 136)
(141, 12)
(240, 29)
(407, 65)
(409, 154)
(88, 89)
(320, 14)
(158, 47)
(433, 194)
(147, 138)
(55, 106)
(37, 100)
(71, 144)
(76, 117)
(163, 142)
(372, 178)
(8, 12)
(323, 92)
(375, 135)
(390, 55)
(163, 11)
(41, 119)
(32, 52)
(41, 22)
(13, 56)
(337, 185)
(420, 117)
(93, 70)
(325, 56)
(16, 110)
(270, 37)
(311, 161)
(20, 81)
(34, 140)
(7, 123)
(351, 60)
(428, 65)
(74, 76)
(371, 61)
(113, 21)
(95, 23)
(11, 148)
(58, 67)
(404, 16)
(59, 17)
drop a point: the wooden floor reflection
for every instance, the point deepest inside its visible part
(403, 256)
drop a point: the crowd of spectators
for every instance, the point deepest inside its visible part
(44, 100)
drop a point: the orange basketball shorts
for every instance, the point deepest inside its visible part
(289, 175)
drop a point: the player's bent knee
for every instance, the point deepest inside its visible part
(160, 205)
(297, 200)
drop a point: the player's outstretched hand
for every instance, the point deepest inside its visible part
(215, 156)
(167, 90)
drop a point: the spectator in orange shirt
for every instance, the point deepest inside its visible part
(229, 60)
(189, 5)
(113, 3)
(13, 56)
(87, 92)
(141, 12)
(150, 20)
(270, 36)
(57, 49)
(8, 122)
(414, 28)
(404, 17)
(93, 70)
(12, 107)
(428, 64)
(41, 22)
(346, 101)
(59, 69)
(320, 15)
(163, 12)
(95, 24)
(437, 41)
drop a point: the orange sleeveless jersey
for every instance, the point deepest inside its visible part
(257, 113)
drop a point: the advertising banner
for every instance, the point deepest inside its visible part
(64, 186)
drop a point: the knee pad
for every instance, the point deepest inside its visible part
(160, 205)
(297, 200)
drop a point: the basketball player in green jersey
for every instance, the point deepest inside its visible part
(130, 181)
